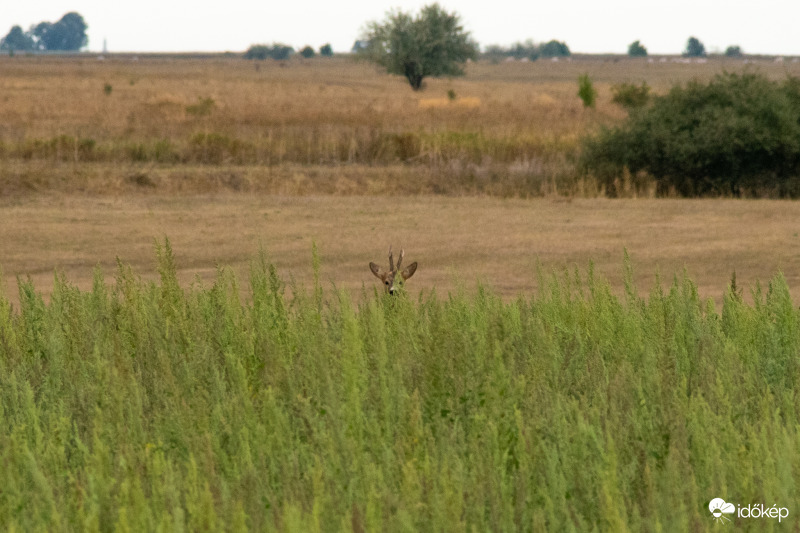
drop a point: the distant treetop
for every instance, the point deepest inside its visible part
(694, 48)
(528, 50)
(635, 49)
(275, 51)
(555, 49)
(68, 34)
(734, 51)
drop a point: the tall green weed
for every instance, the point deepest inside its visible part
(146, 405)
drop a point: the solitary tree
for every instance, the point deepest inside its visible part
(635, 49)
(325, 50)
(307, 52)
(433, 43)
(694, 48)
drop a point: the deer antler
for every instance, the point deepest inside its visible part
(390, 279)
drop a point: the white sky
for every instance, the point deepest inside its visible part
(587, 26)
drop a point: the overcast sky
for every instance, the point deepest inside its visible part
(587, 26)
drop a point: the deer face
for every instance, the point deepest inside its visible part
(390, 279)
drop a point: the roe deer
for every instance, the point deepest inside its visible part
(389, 277)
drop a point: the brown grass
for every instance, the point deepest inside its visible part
(498, 241)
(70, 205)
(226, 110)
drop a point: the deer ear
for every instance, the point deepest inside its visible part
(376, 270)
(409, 270)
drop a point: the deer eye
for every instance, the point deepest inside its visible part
(386, 282)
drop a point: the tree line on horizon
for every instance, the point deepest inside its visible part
(68, 34)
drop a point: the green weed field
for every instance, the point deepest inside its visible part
(142, 406)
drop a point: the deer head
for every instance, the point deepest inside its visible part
(389, 279)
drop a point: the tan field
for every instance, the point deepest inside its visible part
(497, 241)
(98, 159)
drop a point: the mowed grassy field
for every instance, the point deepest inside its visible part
(100, 157)
(500, 242)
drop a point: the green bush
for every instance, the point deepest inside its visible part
(635, 49)
(216, 148)
(586, 91)
(736, 135)
(631, 96)
(734, 51)
(275, 51)
(694, 48)
(257, 51)
(202, 108)
(554, 49)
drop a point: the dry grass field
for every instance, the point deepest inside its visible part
(99, 158)
(498, 241)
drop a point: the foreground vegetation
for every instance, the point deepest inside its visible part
(147, 406)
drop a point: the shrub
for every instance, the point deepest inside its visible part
(527, 50)
(326, 51)
(635, 49)
(217, 148)
(738, 134)
(586, 90)
(307, 52)
(202, 108)
(554, 49)
(733, 51)
(86, 148)
(275, 51)
(164, 151)
(524, 50)
(694, 48)
(281, 52)
(138, 152)
(257, 51)
(631, 96)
